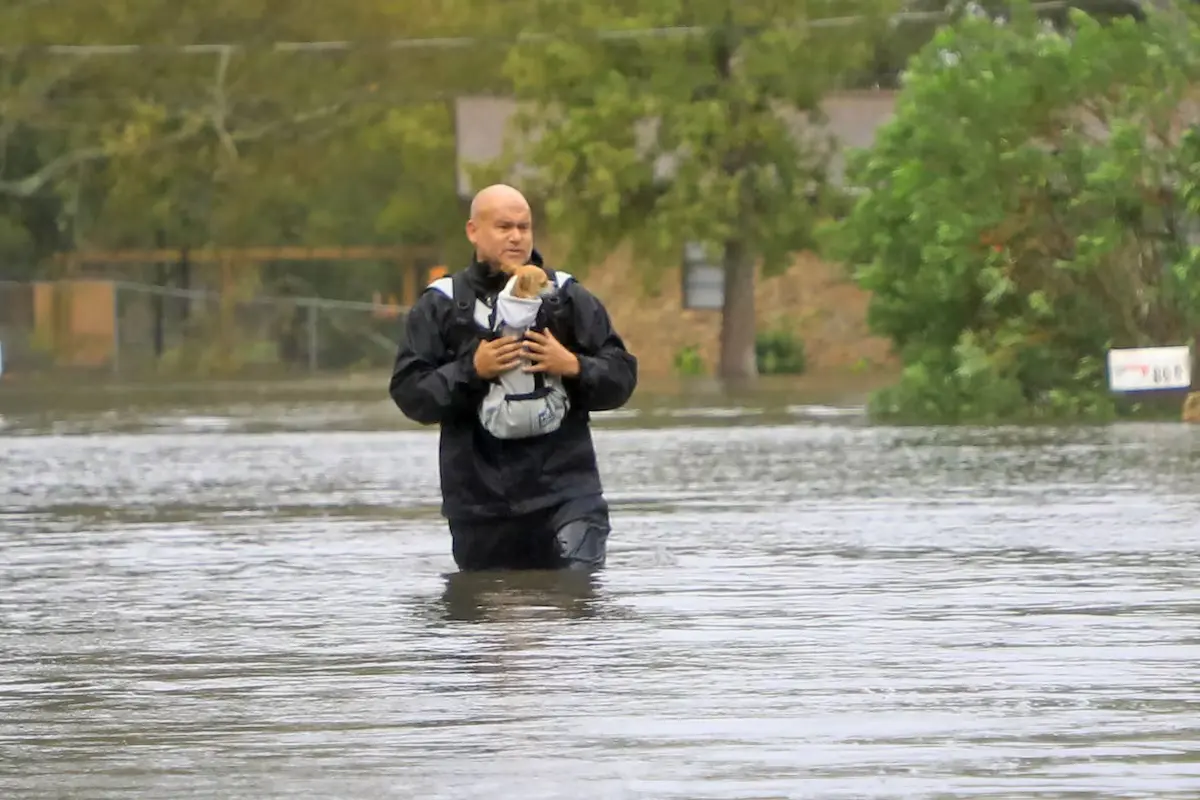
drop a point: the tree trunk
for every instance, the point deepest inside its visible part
(738, 322)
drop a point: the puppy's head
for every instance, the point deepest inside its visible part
(531, 282)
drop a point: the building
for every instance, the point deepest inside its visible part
(826, 311)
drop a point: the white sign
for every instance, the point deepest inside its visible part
(1140, 369)
(703, 282)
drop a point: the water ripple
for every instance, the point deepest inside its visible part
(817, 609)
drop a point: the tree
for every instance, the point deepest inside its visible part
(921, 19)
(247, 144)
(197, 130)
(704, 134)
(1031, 204)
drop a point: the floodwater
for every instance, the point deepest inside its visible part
(259, 602)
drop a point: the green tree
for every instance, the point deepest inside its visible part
(701, 134)
(183, 142)
(250, 144)
(1029, 206)
(921, 19)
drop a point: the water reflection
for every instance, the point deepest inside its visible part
(508, 596)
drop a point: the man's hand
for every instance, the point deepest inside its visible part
(549, 356)
(497, 356)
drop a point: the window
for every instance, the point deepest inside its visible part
(703, 281)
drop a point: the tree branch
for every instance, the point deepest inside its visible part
(34, 183)
(21, 97)
(220, 110)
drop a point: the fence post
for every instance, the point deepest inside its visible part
(116, 343)
(312, 337)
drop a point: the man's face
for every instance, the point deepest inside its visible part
(503, 235)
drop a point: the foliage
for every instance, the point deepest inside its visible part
(703, 134)
(251, 146)
(245, 146)
(921, 19)
(689, 362)
(1027, 208)
(779, 351)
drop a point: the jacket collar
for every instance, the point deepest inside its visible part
(487, 280)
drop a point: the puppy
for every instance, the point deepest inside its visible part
(531, 282)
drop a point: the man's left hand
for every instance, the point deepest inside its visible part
(548, 355)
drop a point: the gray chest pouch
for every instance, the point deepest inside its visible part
(519, 405)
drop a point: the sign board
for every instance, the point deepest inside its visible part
(1142, 369)
(703, 281)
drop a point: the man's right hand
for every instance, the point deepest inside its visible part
(497, 356)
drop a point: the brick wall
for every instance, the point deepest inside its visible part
(812, 298)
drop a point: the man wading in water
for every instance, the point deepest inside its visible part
(533, 501)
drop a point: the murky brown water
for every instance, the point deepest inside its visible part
(254, 603)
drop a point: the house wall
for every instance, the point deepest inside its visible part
(813, 299)
(851, 118)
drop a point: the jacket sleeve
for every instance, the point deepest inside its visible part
(428, 383)
(608, 372)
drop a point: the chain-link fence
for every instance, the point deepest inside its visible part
(131, 329)
(17, 329)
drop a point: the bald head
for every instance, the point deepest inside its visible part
(495, 196)
(501, 227)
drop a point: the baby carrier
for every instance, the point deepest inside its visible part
(518, 404)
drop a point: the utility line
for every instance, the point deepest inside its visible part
(445, 43)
